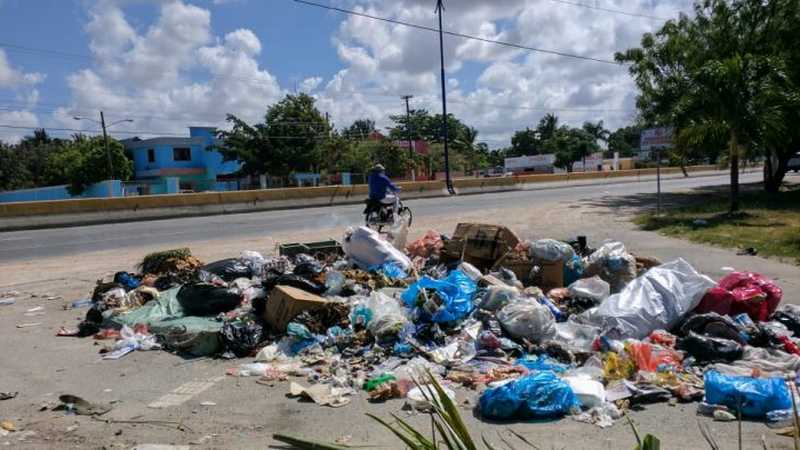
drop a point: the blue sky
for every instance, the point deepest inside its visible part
(173, 63)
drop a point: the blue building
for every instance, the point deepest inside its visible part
(169, 164)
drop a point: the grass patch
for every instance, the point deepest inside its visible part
(768, 223)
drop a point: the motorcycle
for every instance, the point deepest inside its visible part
(390, 213)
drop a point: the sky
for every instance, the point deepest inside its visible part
(170, 64)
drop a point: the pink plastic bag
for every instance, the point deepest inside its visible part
(742, 292)
(425, 247)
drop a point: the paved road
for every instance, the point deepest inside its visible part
(20, 245)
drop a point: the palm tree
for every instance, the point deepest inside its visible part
(547, 126)
(597, 130)
(467, 144)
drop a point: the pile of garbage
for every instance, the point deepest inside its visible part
(545, 329)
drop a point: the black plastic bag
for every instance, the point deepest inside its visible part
(295, 281)
(309, 269)
(243, 336)
(713, 325)
(707, 349)
(202, 299)
(228, 269)
(789, 315)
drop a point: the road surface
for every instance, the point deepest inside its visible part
(27, 245)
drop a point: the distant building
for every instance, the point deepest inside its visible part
(531, 164)
(191, 160)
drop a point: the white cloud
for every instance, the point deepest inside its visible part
(177, 71)
(24, 119)
(11, 77)
(514, 87)
(22, 85)
(173, 74)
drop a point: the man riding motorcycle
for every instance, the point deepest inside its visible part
(379, 186)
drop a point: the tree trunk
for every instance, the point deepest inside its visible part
(775, 167)
(683, 168)
(734, 160)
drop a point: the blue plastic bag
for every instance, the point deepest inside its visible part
(757, 396)
(456, 292)
(541, 362)
(390, 270)
(541, 395)
(573, 270)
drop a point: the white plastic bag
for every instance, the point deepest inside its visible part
(367, 249)
(593, 288)
(656, 300)
(528, 319)
(590, 392)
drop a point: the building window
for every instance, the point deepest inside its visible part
(182, 154)
(151, 155)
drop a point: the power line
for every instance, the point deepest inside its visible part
(460, 35)
(610, 10)
(25, 49)
(144, 133)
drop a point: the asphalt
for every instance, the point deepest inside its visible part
(74, 241)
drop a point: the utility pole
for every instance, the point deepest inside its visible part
(108, 151)
(102, 124)
(408, 132)
(448, 180)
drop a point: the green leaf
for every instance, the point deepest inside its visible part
(406, 439)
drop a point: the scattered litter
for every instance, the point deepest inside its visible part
(8, 425)
(321, 394)
(38, 308)
(28, 324)
(8, 395)
(723, 416)
(208, 404)
(7, 301)
(81, 407)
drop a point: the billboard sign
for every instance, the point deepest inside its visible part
(653, 138)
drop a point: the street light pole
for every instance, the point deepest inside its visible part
(448, 181)
(408, 132)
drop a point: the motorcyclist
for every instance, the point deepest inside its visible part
(379, 186)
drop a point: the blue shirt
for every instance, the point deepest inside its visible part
(379, 183)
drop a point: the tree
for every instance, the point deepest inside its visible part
(624, 141)
(569, 146)
(721, 74)
(14, 173)
(475, 153)
(360, 129)
(288, 141)
(548, 125)
(524, 143)
(596, 130)
(84, 161)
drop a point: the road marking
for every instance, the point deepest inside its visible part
(184, 393)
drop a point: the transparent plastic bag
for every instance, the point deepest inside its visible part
(593, 288)
(528, 319)
(551, 250)
(388, 316)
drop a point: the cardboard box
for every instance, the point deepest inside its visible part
(479, 244)
(286, 302)
(550, 276)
